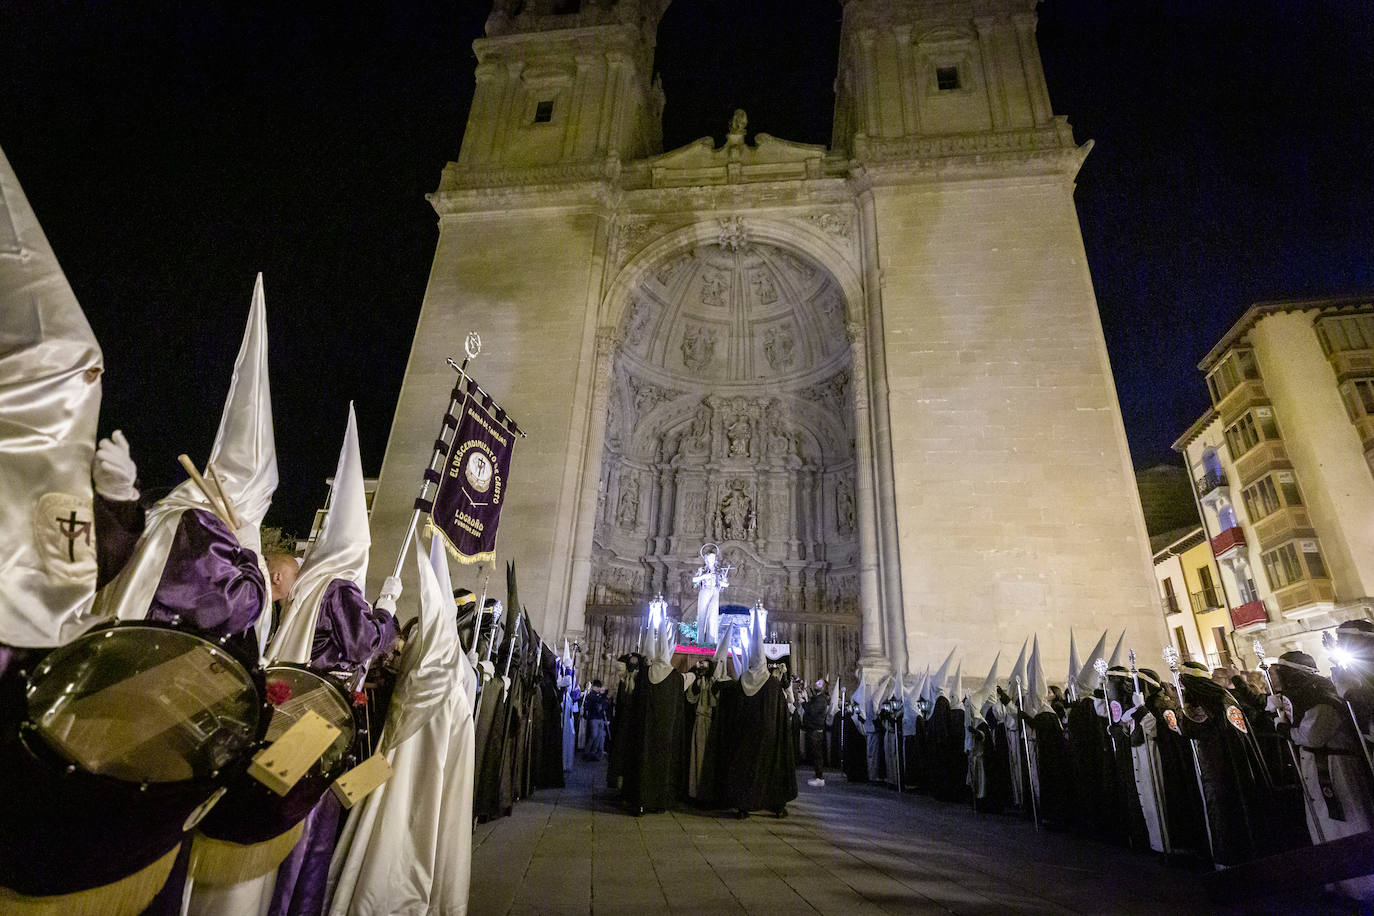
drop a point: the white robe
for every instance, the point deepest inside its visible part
(407, 849)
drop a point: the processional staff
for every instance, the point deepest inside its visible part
(1024, 724)
(1171, 659)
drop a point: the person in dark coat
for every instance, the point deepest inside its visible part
(815, 712)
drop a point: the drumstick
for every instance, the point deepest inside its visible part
(204, 489)
(228, 506)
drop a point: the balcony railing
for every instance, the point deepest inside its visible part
(1249, 614)
(1209, 599)
(1282, 525)
(1348, 363)
(1241, 398)
(1214, 480)
(1304, 598)
(1231, 539)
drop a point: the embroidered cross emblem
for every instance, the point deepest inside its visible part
(72, 528)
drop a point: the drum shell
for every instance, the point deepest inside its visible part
(63, 829)
(251, 813)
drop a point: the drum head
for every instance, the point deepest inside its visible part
(145, 704)
(293, 691)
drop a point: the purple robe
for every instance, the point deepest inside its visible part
(349, 633)
(210, 583)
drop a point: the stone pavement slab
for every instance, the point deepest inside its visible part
(849, 850)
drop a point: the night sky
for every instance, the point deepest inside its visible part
(172, 150)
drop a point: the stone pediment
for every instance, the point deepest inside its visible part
(701, 162)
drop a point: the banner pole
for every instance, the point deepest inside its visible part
(472, 345)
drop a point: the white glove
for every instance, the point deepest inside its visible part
(487, 668)
(113, 470)
(391, 590)
(1137, 699)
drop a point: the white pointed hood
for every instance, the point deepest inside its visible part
(938, 679)
(721, 667)
(50, 366)
(429, 668)
(1117, 658)
(243, 459)
(756, 673)
(1018, 670)
(1074, 663)
(1037, 690)
(954, 687)
(989, 685)
(1087, 676)
(662, 645)
(339, 552)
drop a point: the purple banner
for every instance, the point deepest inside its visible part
(467, 508)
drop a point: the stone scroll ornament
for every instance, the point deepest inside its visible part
(473, 478)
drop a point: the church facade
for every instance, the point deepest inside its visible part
(873, 374)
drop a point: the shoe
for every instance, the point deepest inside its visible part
(815, 782)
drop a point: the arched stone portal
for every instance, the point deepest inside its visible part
(730, 419)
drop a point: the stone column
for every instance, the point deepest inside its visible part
(1030, 67)
(868, 67)
(872, 653)
(893, 601)
(992, 77)
(607, 345)
(907, 82)
(476, 143)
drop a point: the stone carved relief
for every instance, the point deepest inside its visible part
(780, 441)
(627, 510)
(738, 432)
(833, 224)
(736, 512)
(664, 272)
(734, 235)
(833, 393)
(647, 395)
(765, 290)
(778, 347)
(714, 286)
(800, 268)
(630, 237)
(698, 347)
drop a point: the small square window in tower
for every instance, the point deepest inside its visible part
(543, 112)
(947, 78)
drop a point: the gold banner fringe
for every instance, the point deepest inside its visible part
(125, 897)
(458, 556)
(220, 862)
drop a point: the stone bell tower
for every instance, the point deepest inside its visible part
(565, 88)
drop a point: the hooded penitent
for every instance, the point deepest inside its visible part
(188, 565)
(408, 847)
(328, 623)
(655, 728)
(50, 366)
(757, 753)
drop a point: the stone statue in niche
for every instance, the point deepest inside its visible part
(844, 505)
(736, 512)
(779, 439)
(638, 323)
(779, 346)
(697, 441)
(714, 286)
(698, 347)
(627, 510)
(762, 285)
(738, 122)
(695, 512)
(737, 435)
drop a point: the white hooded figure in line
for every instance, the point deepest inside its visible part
(711, 579)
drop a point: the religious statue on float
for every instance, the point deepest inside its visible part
(711, 579)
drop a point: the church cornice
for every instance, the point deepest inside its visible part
(1030, 151)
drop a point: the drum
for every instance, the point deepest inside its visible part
(131, 732)
(252, 815)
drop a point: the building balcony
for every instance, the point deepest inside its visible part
(1228, 542)
(1348, 363)
(1283, 525)
(1209, 599)
(1211, 485)
(1170, 605)
(1267, 456)
(1305, 598)
(1249, 616)
(1249, 393)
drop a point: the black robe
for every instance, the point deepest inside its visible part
(1092, 771)
(1052, 769)
(956, 757)
(654, 733)
(616, 741)
(547, 752)
(915, 775)
(756, 755)
(1247, 818)
(489, 732)
(996, 765)
(854, 751)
